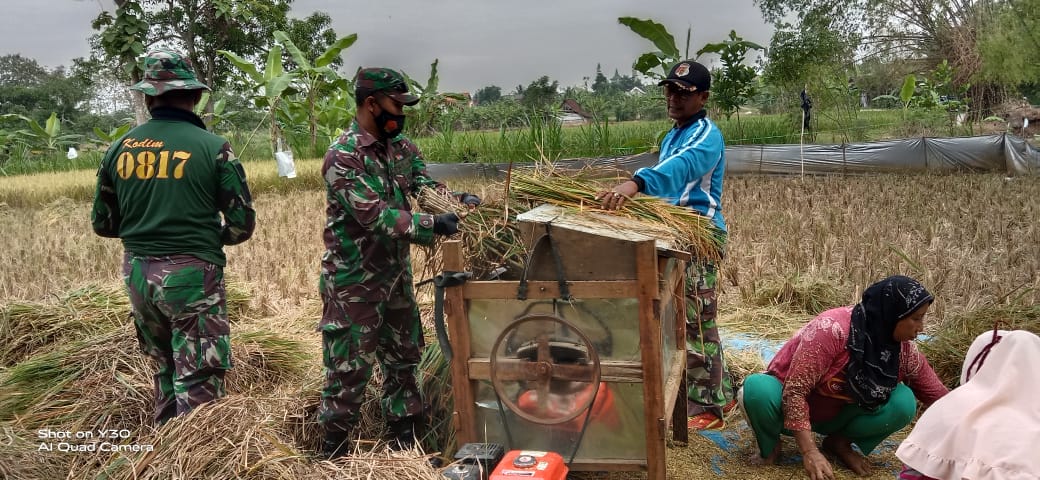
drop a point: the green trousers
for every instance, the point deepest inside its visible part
(761, 403)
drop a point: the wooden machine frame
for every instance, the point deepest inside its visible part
(664, 393)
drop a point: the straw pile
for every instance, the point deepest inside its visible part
(795, 293)
(254, 440)
(28, 327)
(105, 382)
(953, 336)
(771, 322)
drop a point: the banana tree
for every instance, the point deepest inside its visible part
(317, 80)
(217, 115)
(106, 138)
(432, 104)
(270, 85)
(45, 137)
(667, 53)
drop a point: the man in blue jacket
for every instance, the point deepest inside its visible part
(689, 174)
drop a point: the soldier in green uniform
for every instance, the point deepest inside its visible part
(175, 194)
(369, 312)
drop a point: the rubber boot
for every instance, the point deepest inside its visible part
(403, 433)
(336, 445)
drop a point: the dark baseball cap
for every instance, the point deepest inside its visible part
(689, 75)
(390, 82)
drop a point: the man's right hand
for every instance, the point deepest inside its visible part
(446, 224)
(817, 466)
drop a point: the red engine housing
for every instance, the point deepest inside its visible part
(529, 464)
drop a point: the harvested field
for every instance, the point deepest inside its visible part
(796, 246)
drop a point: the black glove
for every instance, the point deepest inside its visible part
(446, 224)
(469, 199)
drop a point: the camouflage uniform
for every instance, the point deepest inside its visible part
(162, 190)
(369, 312)
(709, 386)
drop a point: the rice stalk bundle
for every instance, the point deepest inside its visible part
(770, 322)
(797, 293)
(28, 327)
(742, 363)
(434, 378)
(263, 359)
(20, 457)
(952, 337)
(577, 190)
(106, 382)
(490, 235)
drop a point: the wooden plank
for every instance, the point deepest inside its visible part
(680, 430)
(585, 256)
(680, 433)
(650, 339)
(603, 225)
(614, 371)
(458, 328)
(543, 289)
(671, 390)
(606, 465)
(679, 296)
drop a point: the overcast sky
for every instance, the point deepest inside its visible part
(478, 42)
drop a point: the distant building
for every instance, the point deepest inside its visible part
(572, 113)
(636, 91)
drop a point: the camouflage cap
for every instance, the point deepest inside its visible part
(166, 70)
(378, 79)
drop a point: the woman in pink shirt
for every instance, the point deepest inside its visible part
(851, 374)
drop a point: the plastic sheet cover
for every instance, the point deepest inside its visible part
(987, 153)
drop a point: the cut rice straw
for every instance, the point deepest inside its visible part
(577, 189)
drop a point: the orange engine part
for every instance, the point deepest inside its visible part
(603, 411)
(529, 464)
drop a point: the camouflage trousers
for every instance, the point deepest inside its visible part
(709, 387)
(179, 309)
(355, 336)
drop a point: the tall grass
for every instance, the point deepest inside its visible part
(545, 137)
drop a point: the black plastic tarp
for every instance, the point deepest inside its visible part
(988, 153)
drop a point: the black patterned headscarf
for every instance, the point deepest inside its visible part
(873, 369)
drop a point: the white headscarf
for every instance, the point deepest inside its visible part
(989, 427)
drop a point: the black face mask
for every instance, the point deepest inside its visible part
(389, 124)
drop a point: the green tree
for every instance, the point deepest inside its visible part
(312, 35)
(28, 89)
(201, 29)
(1010, 45)
(308, 103)
(733, 84)
(16, 70)
(488, 94)
(600, 85)
(435, 107)
(623, 83)
(540, 93)
(925, 31)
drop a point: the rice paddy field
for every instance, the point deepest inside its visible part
(69, 358)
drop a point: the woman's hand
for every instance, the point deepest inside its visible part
(814, 462)
(817, 466)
